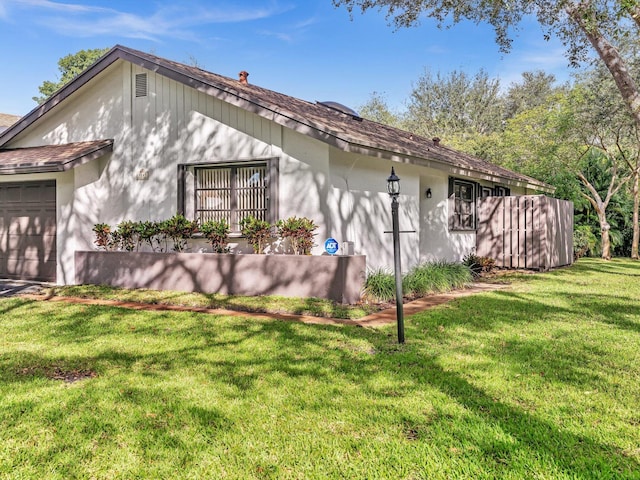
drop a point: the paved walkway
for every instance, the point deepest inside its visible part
(10, 288)
(377, 319)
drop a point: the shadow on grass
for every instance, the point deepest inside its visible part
(228, 349)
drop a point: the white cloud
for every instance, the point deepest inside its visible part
(173, 20)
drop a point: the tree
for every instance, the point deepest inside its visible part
(578, 24)
(611, 120)
(69, 66)
(574, 142)
(455, 106)
(532, 91)
(377, 110)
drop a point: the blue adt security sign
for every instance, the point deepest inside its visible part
(331, 246)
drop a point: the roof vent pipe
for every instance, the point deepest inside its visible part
(243, 77)
(436, 141)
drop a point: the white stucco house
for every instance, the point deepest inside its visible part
(140, 137)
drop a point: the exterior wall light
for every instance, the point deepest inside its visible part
(428, 193)
(393, 184)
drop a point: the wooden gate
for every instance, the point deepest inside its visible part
(529, 231)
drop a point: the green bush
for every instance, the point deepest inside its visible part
(426, 278)
(478, 265)
(126, 234)
(257, 232)
(147, 232)
(585, 242)
(299, 231)
(438, 276)
(103, 235)
(379, 286)
(217, 234)
(179, 230)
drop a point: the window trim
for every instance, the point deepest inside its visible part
(187, 172)
(479, 191)
(455, 225)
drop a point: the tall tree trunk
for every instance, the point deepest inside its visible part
(636, 207)
(605, 238)
(581, 13)
(600, 206)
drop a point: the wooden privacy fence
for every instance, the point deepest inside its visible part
(529, 231)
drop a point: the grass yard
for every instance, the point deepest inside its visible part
(538, 381)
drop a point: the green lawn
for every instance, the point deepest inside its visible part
(538, 381)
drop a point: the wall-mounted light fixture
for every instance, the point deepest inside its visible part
(428, 193)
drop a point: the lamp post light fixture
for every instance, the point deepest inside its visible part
(393, 187)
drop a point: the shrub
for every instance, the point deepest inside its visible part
(584, 242)
(478, 265)
(103, 235)
(217, 233)
(179, 230)
(148, 232)
(439, 276)
(379, 286)
(299, 231)
(257, 232)
(426, 278)
(126, 234)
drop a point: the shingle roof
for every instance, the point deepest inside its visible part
(51, 158)
(342, 130)
(346, 131)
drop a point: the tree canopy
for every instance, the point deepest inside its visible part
(577, 23)
(70, 66)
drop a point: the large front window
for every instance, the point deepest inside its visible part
(232, 192)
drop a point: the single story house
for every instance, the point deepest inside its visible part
(139, 137)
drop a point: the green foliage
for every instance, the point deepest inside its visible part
(299, 231)
(434, 277)
(217, 233)
(455, 104)
(127, 235)
(377, 110)
(257, 232)
(379, 286)
(478, 265)
(147, 232)
(429, 277)
(179, 230)
(70, 67)
(584, 242)
(103, 236)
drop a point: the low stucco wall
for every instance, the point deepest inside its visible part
(338, 278)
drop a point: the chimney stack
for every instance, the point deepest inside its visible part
(243, 77)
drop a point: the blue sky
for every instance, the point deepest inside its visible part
(304, 48)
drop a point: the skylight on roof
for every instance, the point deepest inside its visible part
(342, 109)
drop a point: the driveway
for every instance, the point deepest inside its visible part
(10, 288)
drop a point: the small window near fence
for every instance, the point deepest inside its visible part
(462, 205)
